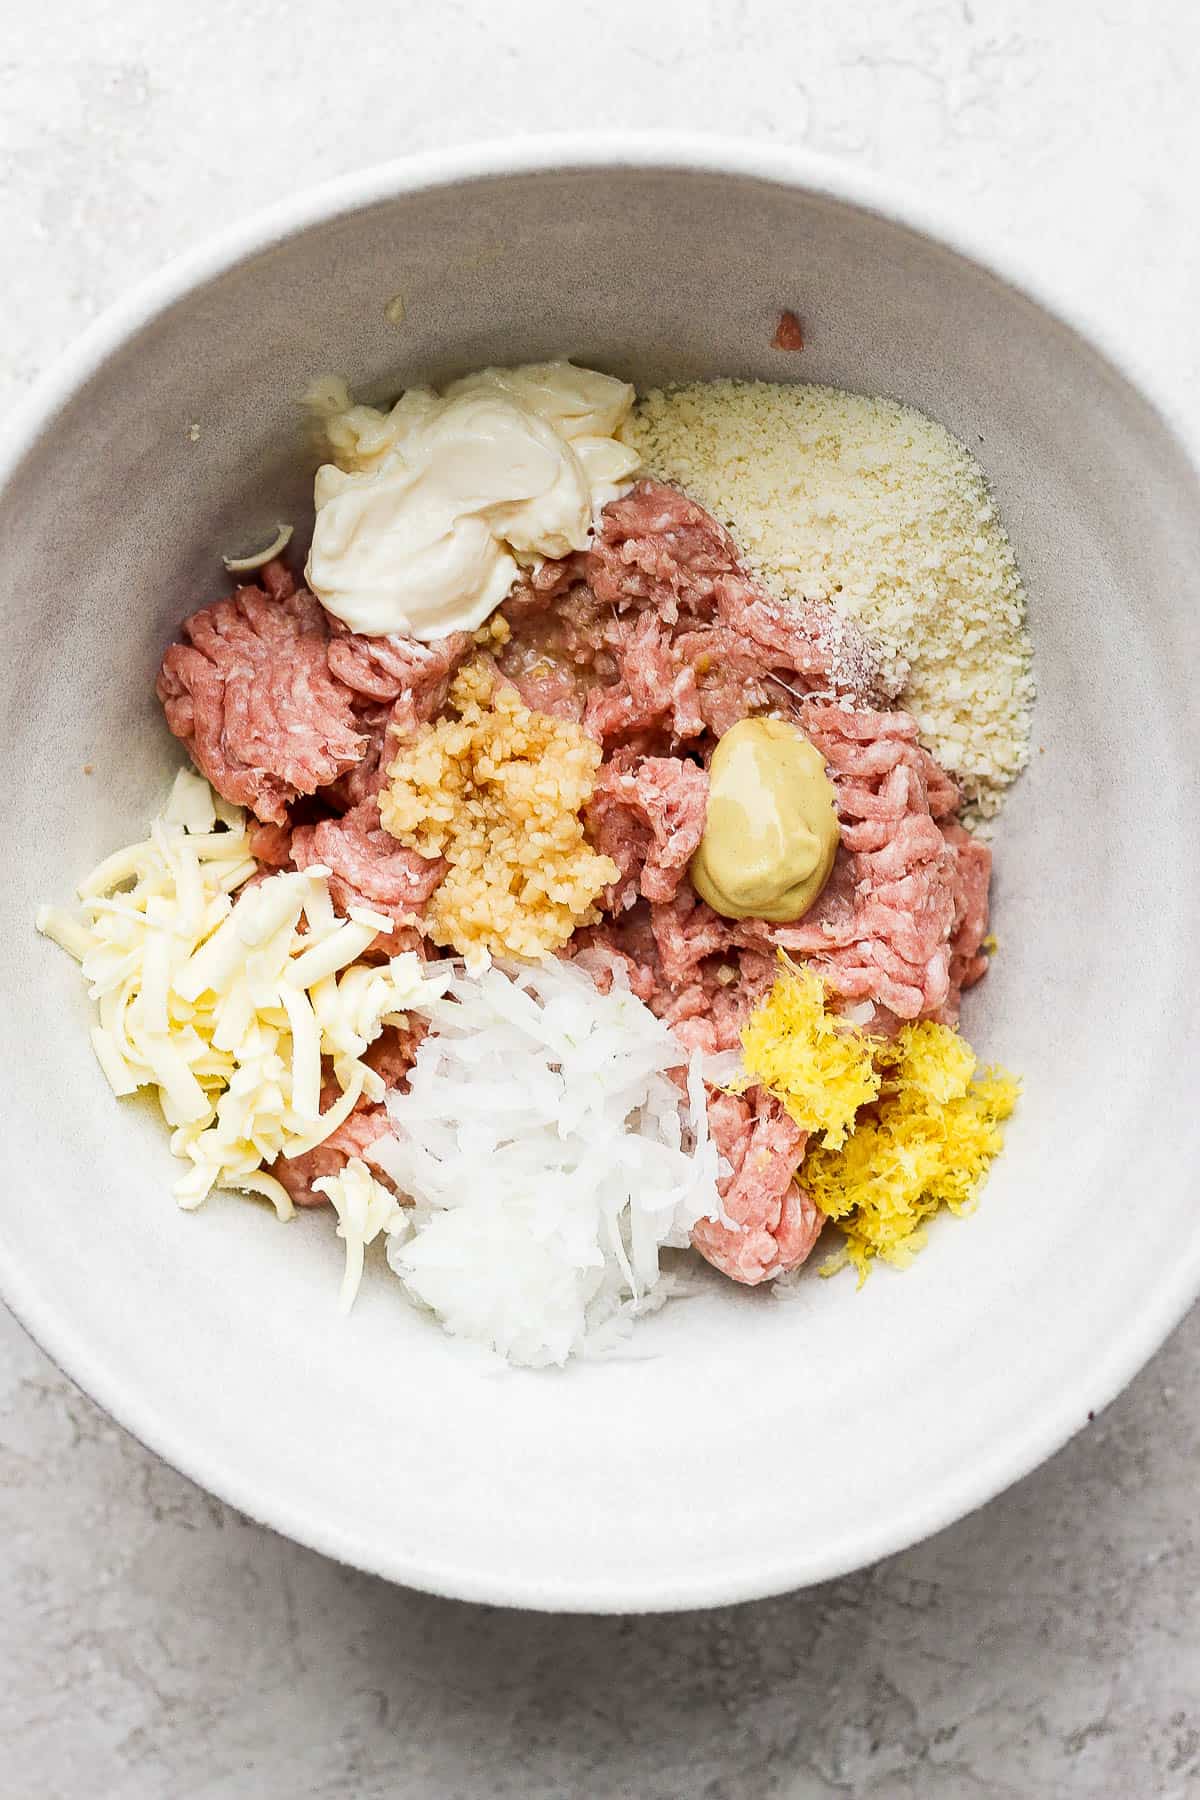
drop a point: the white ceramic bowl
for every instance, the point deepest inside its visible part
(745, 1445)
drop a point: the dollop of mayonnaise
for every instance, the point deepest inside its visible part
(428, 512)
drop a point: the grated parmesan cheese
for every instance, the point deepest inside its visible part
(874, 507)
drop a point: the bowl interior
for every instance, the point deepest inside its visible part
(744, 1444)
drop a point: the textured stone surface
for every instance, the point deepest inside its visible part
(153, 1642)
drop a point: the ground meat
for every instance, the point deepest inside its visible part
(386, 726)
(686, 932)
(883, 928)
(657, 547)
(412, 677)
(880, 770)
(541, 590)
(394, 1051)
(274, 699)
(709, 1014)
(605, 963)
(365, 779)
(647, 813)
(806, 640)
(353, 1137)
(876, 935)
(367, 866)
(547, 687)
(657, 641)
(656, 690)
(774, 1224)
(732, 681)
(656, 636)
(271, 847)
(277, 579)
(899, 923)
(250, 693)
(559, 644)
(397, 942)
(677, 957)
(972, 876)
(686, 648)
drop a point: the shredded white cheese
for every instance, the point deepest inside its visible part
(229, 1008)
(364, 1208)
(874, 507)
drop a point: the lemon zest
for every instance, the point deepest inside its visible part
(906, 1126)
(821, 1069)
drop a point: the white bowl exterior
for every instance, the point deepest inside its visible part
(745, 1445)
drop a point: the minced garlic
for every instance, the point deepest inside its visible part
(498, 791)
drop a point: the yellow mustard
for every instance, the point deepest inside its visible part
(772, 832)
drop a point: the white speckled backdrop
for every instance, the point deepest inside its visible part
(154, 1643)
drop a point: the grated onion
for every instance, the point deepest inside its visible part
(246, 565)
(550, 1157)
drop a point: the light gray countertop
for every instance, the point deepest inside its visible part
(152, 1642)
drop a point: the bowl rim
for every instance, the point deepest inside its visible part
(771, 1569)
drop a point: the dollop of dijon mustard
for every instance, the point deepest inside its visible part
(772, 832)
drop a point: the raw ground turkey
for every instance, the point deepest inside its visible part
(657, 641)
